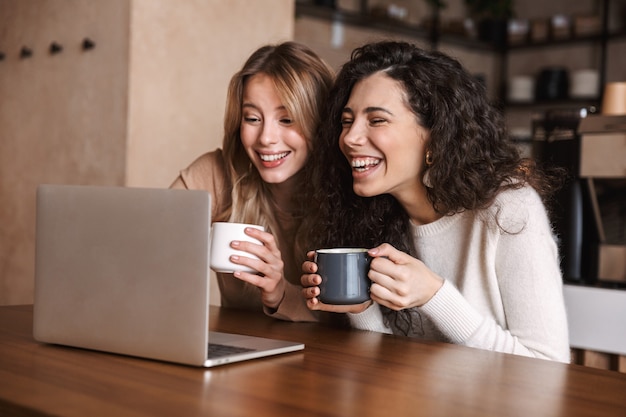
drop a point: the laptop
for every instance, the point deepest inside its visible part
(126, 270)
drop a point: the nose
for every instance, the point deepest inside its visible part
(269, 134)
(353, 136)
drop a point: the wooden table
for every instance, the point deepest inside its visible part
(340, 372)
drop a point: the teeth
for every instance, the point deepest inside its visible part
(364, 163)
(273, 157)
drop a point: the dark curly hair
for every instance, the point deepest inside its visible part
(473, 160)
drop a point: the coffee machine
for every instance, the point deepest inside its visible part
(589, 211)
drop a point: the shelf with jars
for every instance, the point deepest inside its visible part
(514, 36)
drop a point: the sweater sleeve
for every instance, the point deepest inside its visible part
(530, 288)
(371, 319)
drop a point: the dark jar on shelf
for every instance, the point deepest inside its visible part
(552, 84)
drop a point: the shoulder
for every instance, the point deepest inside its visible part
(209, 173)
(525, 195)
(209, 161)
(515, 208)
(205, 171)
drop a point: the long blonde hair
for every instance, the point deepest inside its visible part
(303, 82)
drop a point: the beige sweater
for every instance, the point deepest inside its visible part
(208, 173)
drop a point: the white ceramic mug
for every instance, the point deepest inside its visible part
(222, 234)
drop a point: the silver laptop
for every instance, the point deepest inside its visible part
(126, 270)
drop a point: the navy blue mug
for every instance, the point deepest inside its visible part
(344, 275)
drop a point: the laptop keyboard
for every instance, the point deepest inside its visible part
(216, 350)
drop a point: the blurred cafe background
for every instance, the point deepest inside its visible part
(128, 92)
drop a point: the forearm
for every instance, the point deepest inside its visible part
(293, 306)
(462, 324)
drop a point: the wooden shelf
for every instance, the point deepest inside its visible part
(573, 40)
(389, 25)
(420, 32)
(435, 38)
(573, 102)
(360, 20)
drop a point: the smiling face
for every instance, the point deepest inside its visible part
(383, 141)
(272, 139)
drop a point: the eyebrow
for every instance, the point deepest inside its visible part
(245, 105)
(368, 110)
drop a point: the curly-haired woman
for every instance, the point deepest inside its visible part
(417, 167)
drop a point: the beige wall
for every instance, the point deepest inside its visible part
(183, 54)
(62, 117)
(134, 110)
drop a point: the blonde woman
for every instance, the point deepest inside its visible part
(271, 119)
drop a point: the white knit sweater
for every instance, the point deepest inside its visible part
(502, 291)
